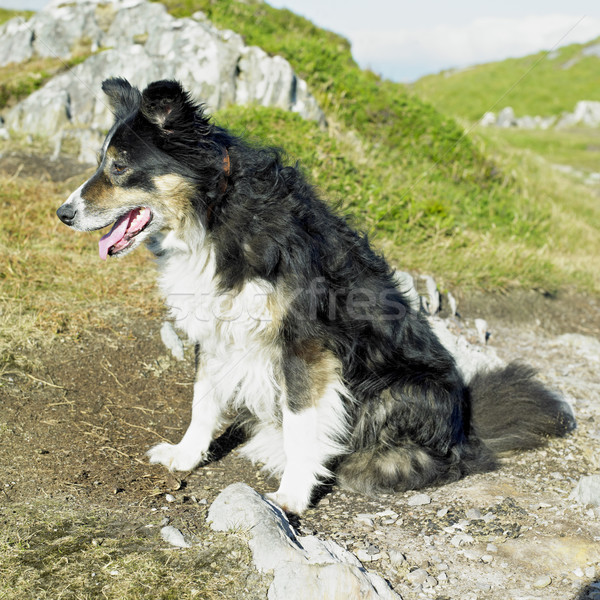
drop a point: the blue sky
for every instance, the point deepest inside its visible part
(404, 39)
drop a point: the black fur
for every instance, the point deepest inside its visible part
(414, 421)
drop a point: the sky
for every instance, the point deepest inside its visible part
(406, 39)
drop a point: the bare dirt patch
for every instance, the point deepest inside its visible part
(74, 432)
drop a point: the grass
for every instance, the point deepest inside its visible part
(49, 549)
(578, 148)
(19, 80)
(539, 84)
(7, 14)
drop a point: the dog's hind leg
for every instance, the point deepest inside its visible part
(314, 432)
(207, 419)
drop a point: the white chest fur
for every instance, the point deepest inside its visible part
(238, 355)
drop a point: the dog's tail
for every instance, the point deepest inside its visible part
(508, 410)
(511, 410)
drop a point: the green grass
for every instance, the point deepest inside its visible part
(407, 173)
(19, 80)
(539, 84)
(7, 14)
(578, 148)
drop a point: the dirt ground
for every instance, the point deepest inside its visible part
(75, 430)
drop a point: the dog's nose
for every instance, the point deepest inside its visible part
(66, 213)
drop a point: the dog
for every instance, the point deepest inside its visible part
(302, 337)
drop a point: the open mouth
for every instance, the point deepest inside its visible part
(123, 232)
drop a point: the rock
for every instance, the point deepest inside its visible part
(418, 576)
(142, 43)
(174, 537)
(406, 284)
(419, 500)
(506, 118)
(171, 340)
(396, 557)
(587, 490)
(469, 358)
(452, 304)
(587, 113)
(303, 567)
(460, 539)
(488, 119)
(471, 554)
(482, 330)
(473, 513)
(432, 299)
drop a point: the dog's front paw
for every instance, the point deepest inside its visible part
(175, 457)
(289, 503)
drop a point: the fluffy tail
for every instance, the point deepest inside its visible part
(510, 410)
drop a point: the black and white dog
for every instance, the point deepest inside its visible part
(301, 334)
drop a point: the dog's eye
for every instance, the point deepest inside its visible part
(118, 168)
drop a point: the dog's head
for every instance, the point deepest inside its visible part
(159, 164)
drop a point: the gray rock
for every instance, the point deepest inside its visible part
(303, 567)
(506, 118)
(406, 284)
(432, 300)
(419, 500)
(587, 490)
(593, 50)
(469, 358)
(488, 119)
(174, 537)
(418, 576)
(542, 582)
(144, 44)
(16, 37)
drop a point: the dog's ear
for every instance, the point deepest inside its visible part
(166, 103)
(124, 98)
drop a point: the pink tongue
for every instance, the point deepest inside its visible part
(120, 228)
(114, 235)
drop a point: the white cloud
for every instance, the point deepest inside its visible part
(481, 40)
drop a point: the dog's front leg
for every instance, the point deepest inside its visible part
(313, 434)
(207, 419)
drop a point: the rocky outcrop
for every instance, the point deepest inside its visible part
(586, 113)
(303, 567)
(140, 41)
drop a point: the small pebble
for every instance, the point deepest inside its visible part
(542, 582)
(471, 554)
(169, 498)
(365, 556)
(487, 558)
(418, 576)
(174, 537)
(396, 557)
(590, 572)
(442, 512)
(460, 539)
(419, 500)
(473, 513)
(430, 582)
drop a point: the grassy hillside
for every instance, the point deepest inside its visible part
(540, 84)
(434, 199)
